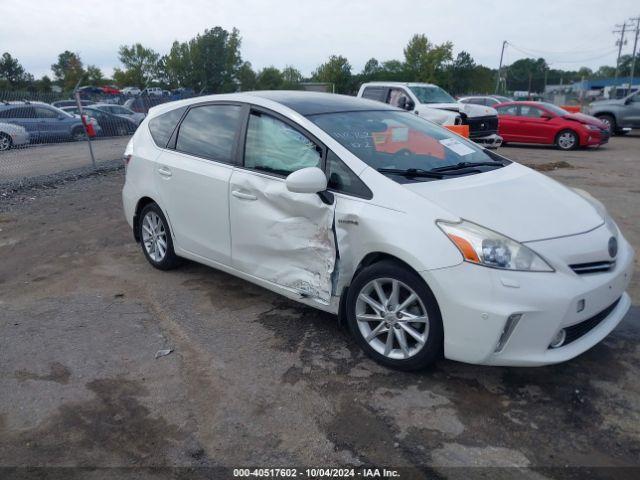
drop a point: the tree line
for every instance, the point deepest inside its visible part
(211, 62)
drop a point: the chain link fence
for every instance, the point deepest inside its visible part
(48, 133)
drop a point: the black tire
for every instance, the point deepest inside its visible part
(5, 142)
(169, 260)
(562, 145)
(431, 350)
(610, 121)
(78, 134)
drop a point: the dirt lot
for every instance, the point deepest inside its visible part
(256, 380)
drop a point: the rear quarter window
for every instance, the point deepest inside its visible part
(375, 93)
(162, 126)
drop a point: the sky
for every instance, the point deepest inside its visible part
(304, 33)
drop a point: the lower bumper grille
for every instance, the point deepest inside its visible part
(592, 267)
(574, 332)
(482, 126)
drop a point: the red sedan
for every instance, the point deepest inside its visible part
(545, 123)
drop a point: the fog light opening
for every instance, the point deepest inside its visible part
(509, 327)
(559, 339)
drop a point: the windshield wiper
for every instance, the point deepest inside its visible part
(464, 165)
(411, 172)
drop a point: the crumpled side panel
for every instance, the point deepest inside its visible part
(292, 243)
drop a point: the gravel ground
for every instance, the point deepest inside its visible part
(256, 380)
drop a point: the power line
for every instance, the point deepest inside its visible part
(555, 60)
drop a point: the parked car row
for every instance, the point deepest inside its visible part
(25, 122)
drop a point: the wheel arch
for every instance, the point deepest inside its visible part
(368, 260)
(142, 202)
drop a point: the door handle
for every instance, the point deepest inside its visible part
(242, 195)
(164, 171)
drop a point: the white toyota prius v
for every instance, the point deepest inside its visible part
(424, 243)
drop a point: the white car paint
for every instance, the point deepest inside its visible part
(298, 246)
(18, 135)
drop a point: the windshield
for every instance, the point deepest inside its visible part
(554, 108)
(432, 94)
(400, 140)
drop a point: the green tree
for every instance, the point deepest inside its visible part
(12, 72)
(392, 70)
(291, 78)
(371, 70)
(605, 71)
(424, 61)
(527, 72)
(337, 71)
(141, 66)
(461, 74)
(94, 75)
(246, 77)
(269, 78)
(68, 70)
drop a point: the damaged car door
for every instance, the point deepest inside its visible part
(278, 235)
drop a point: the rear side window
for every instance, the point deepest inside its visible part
(163, 125)
(375, 93)
(343, 180)
(210, 131)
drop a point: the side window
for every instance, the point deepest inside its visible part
(374, 93)
(273, 146)
(491, 102)
(343, 180)
(42, 112)
(395, 96)
(210, 131)
(162, 126)
(8, 113)
(529, 111)
(508, 110)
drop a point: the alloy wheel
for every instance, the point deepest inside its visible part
(566, 140)
(5, 143)
(392, 318)
(154, 236)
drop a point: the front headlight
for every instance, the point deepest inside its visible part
(593, 128)
(488, 248)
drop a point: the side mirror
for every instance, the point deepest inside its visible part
(307, 180)
(409, 105)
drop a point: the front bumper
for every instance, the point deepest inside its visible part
(490, 141)
(19, 138)
(475, 303)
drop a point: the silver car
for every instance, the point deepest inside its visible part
(12, 136)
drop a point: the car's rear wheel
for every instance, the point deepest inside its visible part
(155, 238)
(5, 142)
(394, 317)
(567, 140)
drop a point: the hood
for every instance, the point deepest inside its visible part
(515, 201)
(583, 118)
(599, 103)
(469, 109)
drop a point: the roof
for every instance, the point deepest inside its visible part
(405, 84)
(314, 103)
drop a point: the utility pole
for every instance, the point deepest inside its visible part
(620, 43)
(504, 44)
(635, 45)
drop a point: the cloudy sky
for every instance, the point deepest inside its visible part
(303, 33)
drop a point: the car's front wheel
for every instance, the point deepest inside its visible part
(567, 140)
(155, 238)
(394, 316)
